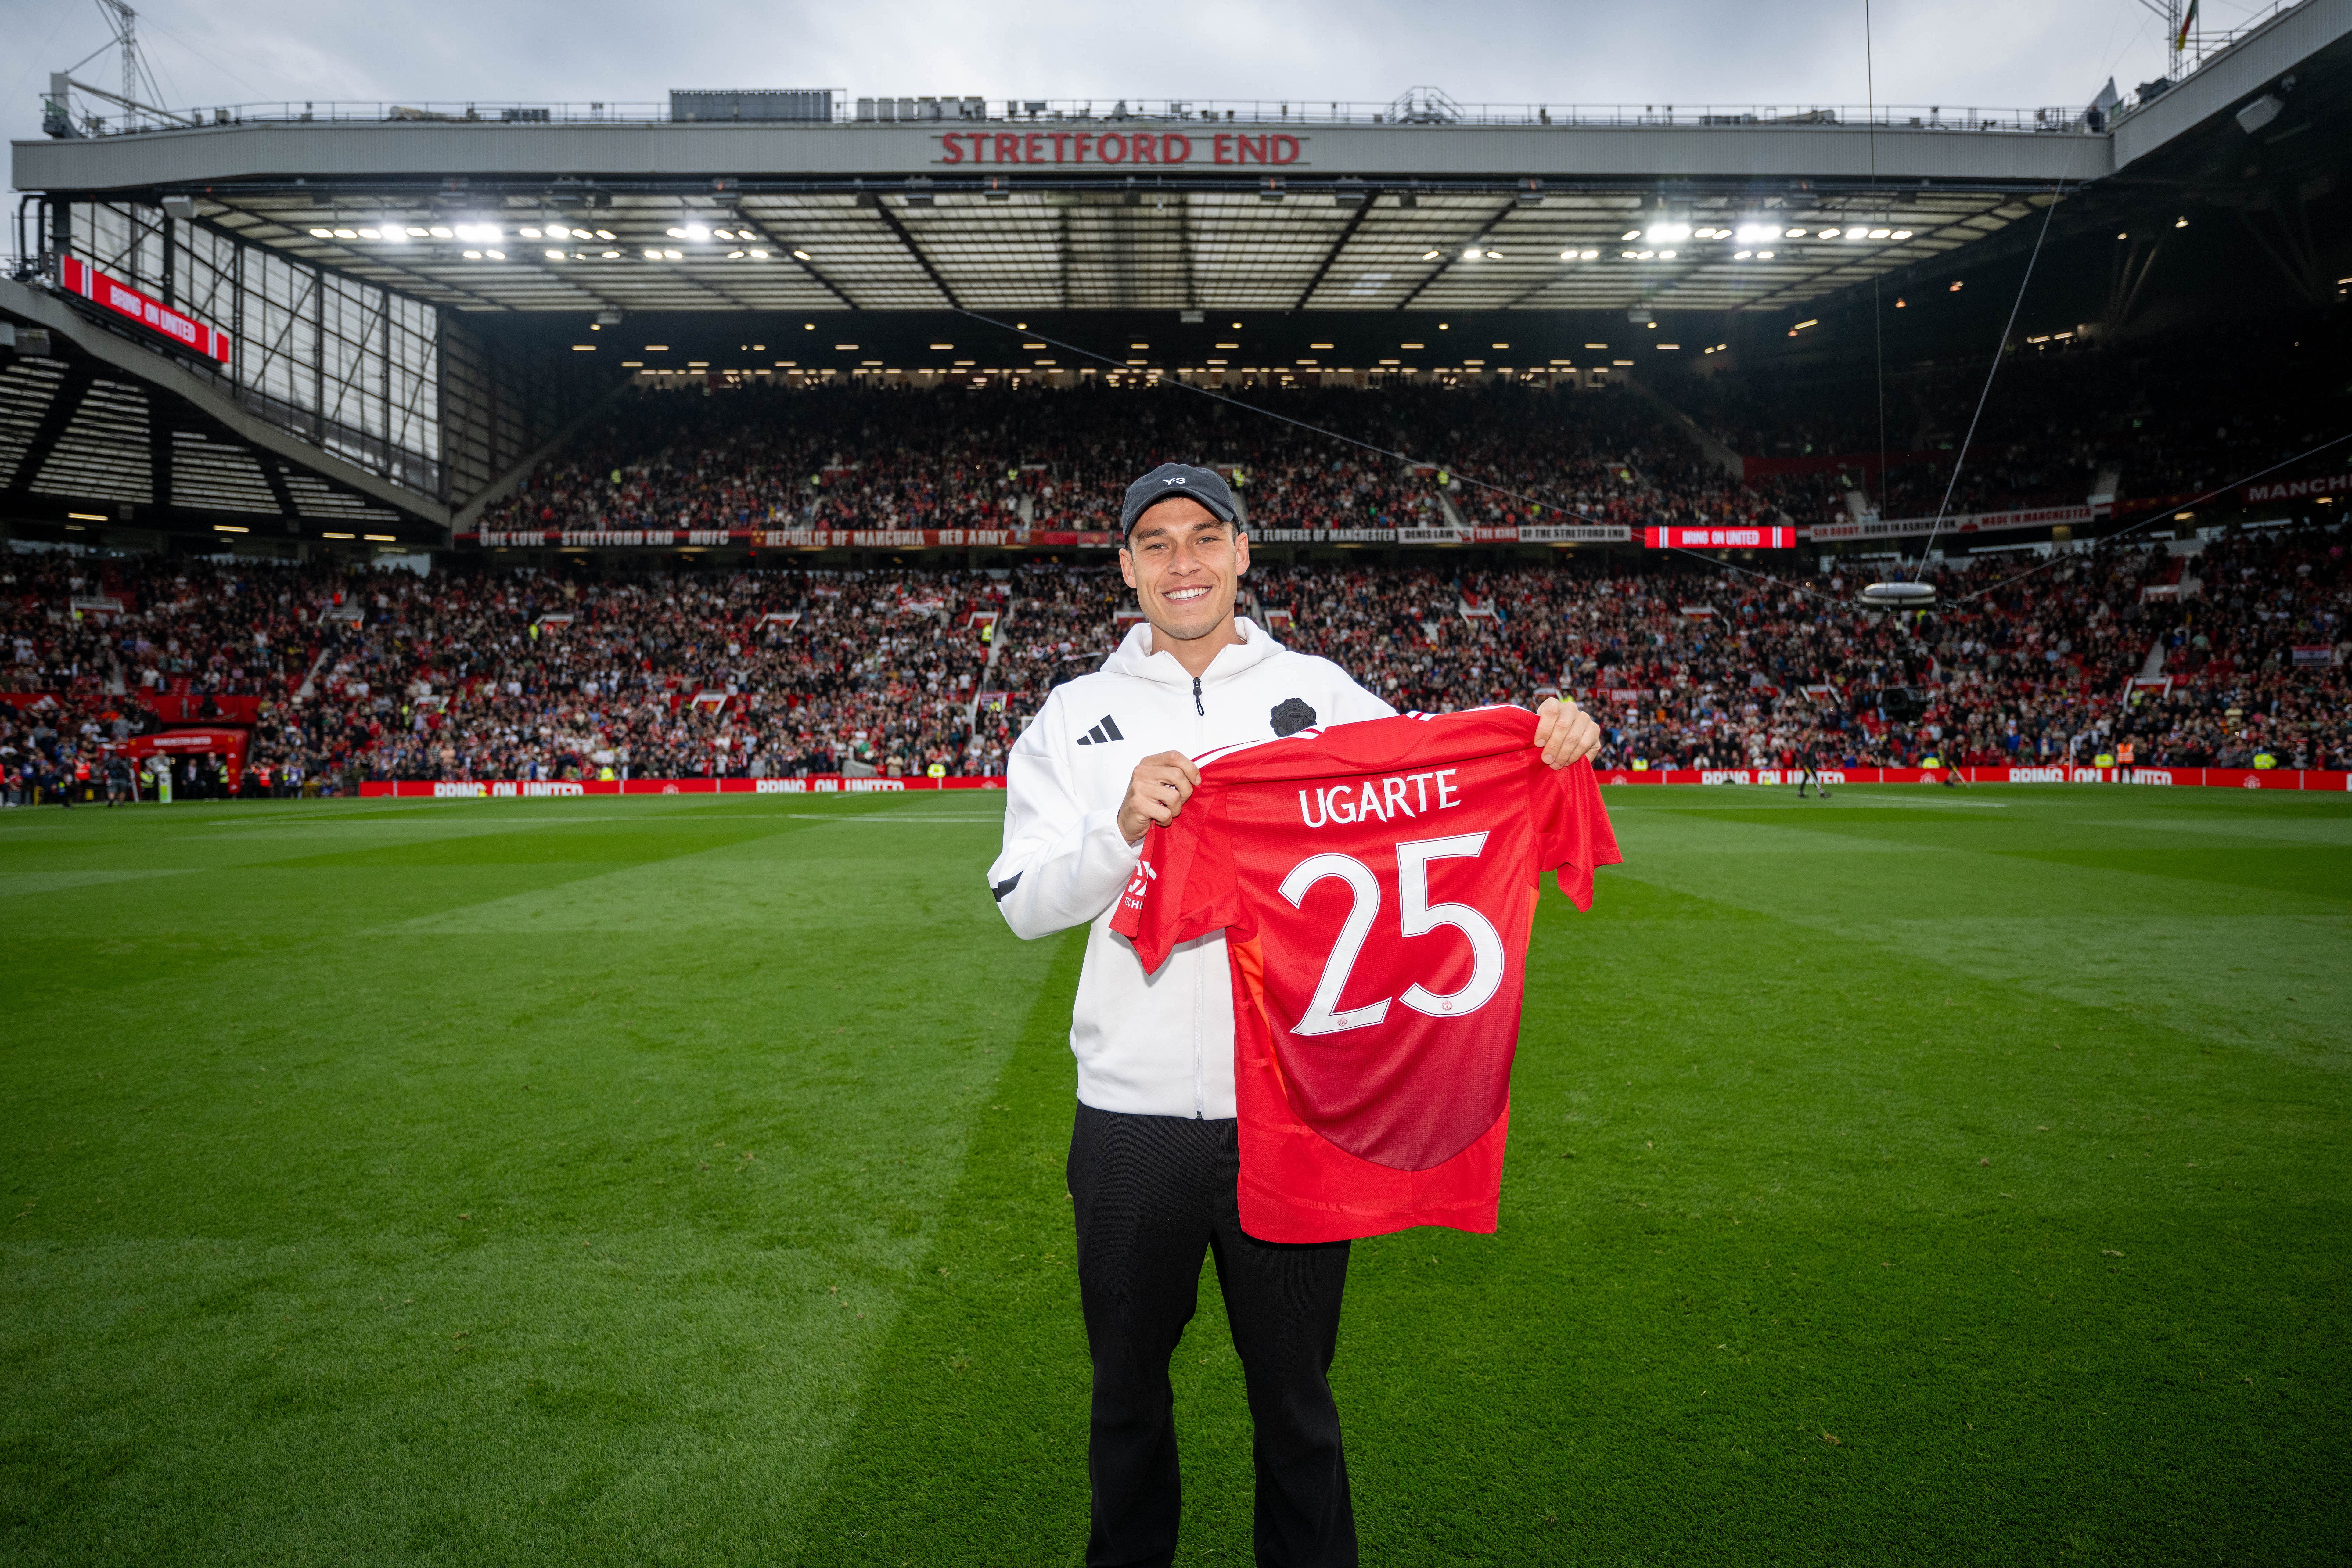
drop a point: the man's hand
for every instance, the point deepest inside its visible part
(1159, 790)
(1565, 733)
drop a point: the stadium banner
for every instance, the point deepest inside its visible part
(558, 789)
(838, 783)
(80, 278)
(1713, 538)
(2333, 484)
(1961, 523)
(1523, 533)
(786, 538)
(2216, 778)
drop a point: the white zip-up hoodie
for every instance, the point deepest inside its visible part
(1153, 1045)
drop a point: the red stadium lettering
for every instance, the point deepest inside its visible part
(1146, 149)
(952, 147)
(1286, 149)
(1105, 149)
(1058, 138)
(1249, 149)
(1223, 145)
(1175, 148)
(1085, 140)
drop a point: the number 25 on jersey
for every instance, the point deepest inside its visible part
(1416, 916)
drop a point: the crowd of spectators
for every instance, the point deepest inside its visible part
(2156, 420)
(672, 669)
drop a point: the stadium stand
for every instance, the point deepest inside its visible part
(2211, 657)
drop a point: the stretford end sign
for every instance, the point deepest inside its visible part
(1122, 149)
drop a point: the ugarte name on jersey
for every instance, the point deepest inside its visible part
(1406, 794)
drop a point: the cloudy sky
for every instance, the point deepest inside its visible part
(1992, 53)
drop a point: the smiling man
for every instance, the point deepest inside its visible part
(1154, 1155)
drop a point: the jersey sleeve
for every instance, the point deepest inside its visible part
(1183, 883)
(1573, 837)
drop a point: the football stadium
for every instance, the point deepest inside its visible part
(570, 806)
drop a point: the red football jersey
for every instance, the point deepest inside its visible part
(1376, 883)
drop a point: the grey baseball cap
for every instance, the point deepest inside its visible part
(1171, 479)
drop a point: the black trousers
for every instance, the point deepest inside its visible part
(1152, 1193)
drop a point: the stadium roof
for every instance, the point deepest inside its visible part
(1727, 211)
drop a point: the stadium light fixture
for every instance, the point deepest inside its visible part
(416, 233)
(1741, 255)
(535, 233)
(1668, 233)
(1626, 255)
(1830, 233)
(347, 234)
(1493, 255)
(1589, 254)
(1750, 233)
(322, 233)
(1794, 234)
(675, 233)
(1431, 255)
(652, 255)
(1902, 234)
(480, 233)
(555, 256)
(800, 256)
(1763, 256)
(605, 234)
(673, 256)
(496, 255)
(695, 232)
(472, 255)
(2181, 223)
(1630, 233)
(734, 256)
(758, 256)
(1954, 288)
(1881, 233)
(1469, 253)
(1665, 256)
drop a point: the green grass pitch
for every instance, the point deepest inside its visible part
(1915, 1177)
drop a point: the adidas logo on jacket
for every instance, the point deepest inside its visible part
(1162, 1043)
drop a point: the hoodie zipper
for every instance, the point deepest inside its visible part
(1200, 979)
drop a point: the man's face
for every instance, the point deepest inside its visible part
(1185, 564)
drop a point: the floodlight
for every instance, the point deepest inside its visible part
(1763, 256)
(322, 233)
(675, 233)
(1470, 253)
(347, 234)
(1630, 233)
(697, 232)
(1794, 234)
(2260, 112)
(1830, 233)
(555, 256)
(1667, 232)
